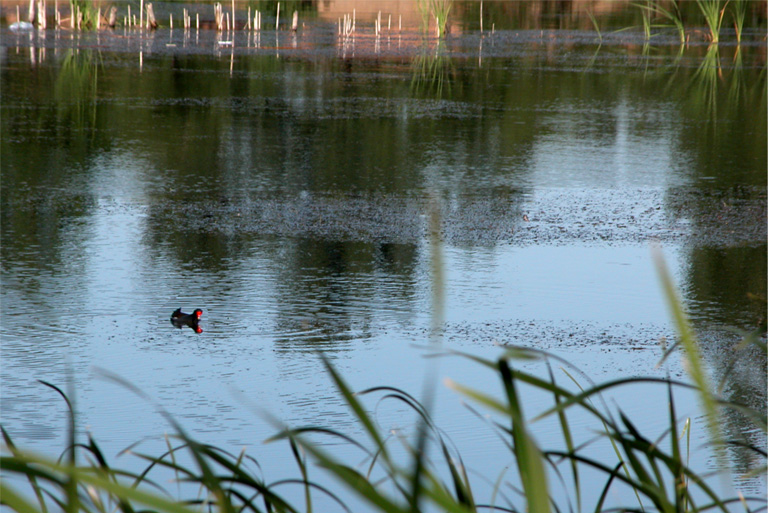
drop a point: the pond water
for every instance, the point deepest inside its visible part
(285, 183)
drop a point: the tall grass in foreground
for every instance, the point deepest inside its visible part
(654, 468)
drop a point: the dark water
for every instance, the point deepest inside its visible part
(285, 186)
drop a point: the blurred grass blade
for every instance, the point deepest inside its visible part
(530, 461)
(357, 408)
(693, 361)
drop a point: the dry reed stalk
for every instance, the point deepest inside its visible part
(31, 13)
(217, 16)
(277, 18)
(233, 14)
(151, 21)
(295, 22)
(41, 21)
(141, 14)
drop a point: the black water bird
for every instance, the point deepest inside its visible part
(180, 319)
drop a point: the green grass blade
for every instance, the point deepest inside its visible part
(566, 430)
(301, 462)
(693, 361)
(594, 23)
(529, 458)
(606, 423)
(357, 408)
(606, 488)
(30, 477)
(677, 468)
(15, 501)
(61, 474)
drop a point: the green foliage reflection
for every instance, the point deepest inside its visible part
(76, 88)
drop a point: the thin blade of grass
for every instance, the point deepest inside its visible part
(568, 440)
(677, 470)
(304, 474)
(357, 408)
(606, 488)
(694, 362)
(30, 477)
(529, 458)
(52, 471)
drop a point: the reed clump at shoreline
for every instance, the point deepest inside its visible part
(695, 19)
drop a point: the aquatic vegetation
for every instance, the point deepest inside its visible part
(76, 86)
(713, 11)
(645, 12)
(431, 73)
(594, 23)
(437, 9)
(83, 14)
(739, 12)
(673, 15)
(706, 81)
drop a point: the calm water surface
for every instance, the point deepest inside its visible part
(285, 187)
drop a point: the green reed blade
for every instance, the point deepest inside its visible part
(693, 360)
